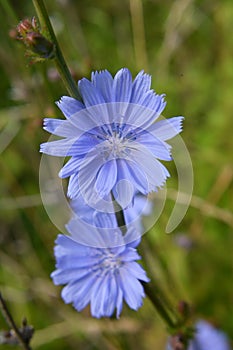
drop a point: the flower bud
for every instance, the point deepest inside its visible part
(38, 46)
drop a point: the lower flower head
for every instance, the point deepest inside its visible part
(101, 277)
(207, 337)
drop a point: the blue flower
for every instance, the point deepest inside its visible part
(101, 277)
(112, 139)
(208, 337)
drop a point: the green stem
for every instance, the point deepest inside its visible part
(151, 290)
(10, 321)
(152, 293)
(59, 59)
(119, 213)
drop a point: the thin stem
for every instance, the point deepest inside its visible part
(151, 290)
(59, 58)
(119, 213)
(11, 323)
(152, 293)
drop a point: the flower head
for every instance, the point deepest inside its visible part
(207, 337)
(103, 277)
(112, 139)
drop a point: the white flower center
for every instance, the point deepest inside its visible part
(110, 262)
(115, 146)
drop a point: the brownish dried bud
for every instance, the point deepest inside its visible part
(27, 26)
(177, 342)
(37, 44)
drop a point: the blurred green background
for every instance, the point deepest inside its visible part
(187, 47)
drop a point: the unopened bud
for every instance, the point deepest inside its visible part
(178, 342)
(38, 46)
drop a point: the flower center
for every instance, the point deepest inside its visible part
(110, 263)
(117, 142)
(116, 146)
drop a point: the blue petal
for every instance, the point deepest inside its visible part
(83, 120)
(103, 299)
(83, 182)
(130, 254)
(61, 128)
(123, 192)
(124, 189)
(105, 220)
(106, 178)
(71, 167)
(84, 144)
(59, 148)
(155, 172)
(83, 295)
(65, 276)
(167, 128)
(87, 178)
(72, 260)
(138, 116)
(103, 81)
(122, 86)
(97, 298)
(92, 236)
(131, 171)
(137, 271)
(78, 288)
(82, 299)
(159, 148)
(157, 103)
(154, 103)
(132, 289)
(69, 247)
(110, 296)
(69, 106)
(119, 302)
(66, 242)
(73, 190)
(82, 210)
(141, 84)
(133, 215)
(84, 262)
(90, 94)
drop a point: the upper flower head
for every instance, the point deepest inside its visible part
(102, 277)
(111, 137)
